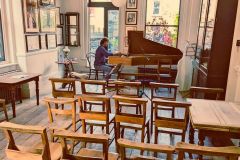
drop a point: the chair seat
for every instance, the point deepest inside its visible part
(97, 154)
(62, 122)
(101, 123)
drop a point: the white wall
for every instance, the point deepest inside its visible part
(233, 87)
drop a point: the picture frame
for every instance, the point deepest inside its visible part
(61, 19)
(51, 41)
(58, 20)
(130, 28)
(48, 20)
(31, 16)
(132, 4)
(48, 3)
(131, 17)
(32, 43)
(43, 41)
(60, 36)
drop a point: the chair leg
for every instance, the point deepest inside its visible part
(155, 139)
(143, 137)
(117, 134)
(152, 109)
(91, 129)
(148, 132)
(122, 133)
(5, 112)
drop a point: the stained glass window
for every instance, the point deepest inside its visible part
(162, 21)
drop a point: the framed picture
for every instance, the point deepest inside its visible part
(31, 16)
(58, 20)
(51, 41)
(43, 42)
(60, 38)
(47, 2)
(131, 17)
(32, 43)
(132, 4)
(48, 20)
(61, 19)
(130, 28)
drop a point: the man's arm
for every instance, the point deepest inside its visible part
(106, 53)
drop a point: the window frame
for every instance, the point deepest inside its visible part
(168, 25)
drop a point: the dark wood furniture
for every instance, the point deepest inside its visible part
(231, 153)
(164, 123)
(126, 144)
(214, 119)
(214, 46)
(124, 119)
(155, 93)
(4, 108)
(72, 27)
(45, 151)
(14, 81)
(85, 153)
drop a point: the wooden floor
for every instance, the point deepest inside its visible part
(30, 114)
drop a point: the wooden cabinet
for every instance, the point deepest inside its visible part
(72, 32)
(214, 44)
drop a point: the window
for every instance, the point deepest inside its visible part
(103, 22)
(162, 21)
(2, 55)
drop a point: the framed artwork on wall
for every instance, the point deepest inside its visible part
(43, 42)
(32, 43)
(31, 16)
(60, 38)
(132, 4)
(51, 41)
(58, 20)
(48, 20)
(47, 3)
(131, 17)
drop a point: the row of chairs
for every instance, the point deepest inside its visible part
(55, 151)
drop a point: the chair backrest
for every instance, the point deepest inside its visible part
(130, 118)
(232, 152)
(169, 122)
(91, 138)
(90, 59)
(169, 96)
(93, 87)
(165, 66)
(129, 89)
(206, 93)
(58, 91)
(126, 144)
(101, 113)
(53, 112)
(19, 152)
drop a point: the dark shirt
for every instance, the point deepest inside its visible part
(101, 55)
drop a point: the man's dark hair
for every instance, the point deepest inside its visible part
(103, 41)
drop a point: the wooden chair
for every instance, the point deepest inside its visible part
(206, 93)
(4, 108)
(126, 144)
(232, 152)
(165, 70)
(93, 87)
(131, 121)
(45, 151)
(85, 153)
(90, 59)
(95, 117)
(172, 96)
(129, 89)
(178, 125)
(61, 119)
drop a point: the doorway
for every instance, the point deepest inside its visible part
(103, 22)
